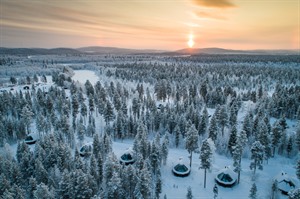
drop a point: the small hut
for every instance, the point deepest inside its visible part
(181, 169)
(226, 177)
(86, 150)
(285, 183)
(127, 157)
(31, 138)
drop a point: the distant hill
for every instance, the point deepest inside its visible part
(125, 51)
(113, 50)
(38, 51)
(195, 51)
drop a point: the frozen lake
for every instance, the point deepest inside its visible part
(83, 75)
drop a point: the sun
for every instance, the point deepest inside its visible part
(191, 41)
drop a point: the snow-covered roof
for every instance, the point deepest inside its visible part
(129, 151)
(226, 176)
(284, 182)
(181, 169)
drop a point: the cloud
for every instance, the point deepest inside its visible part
(214, 3)
(202, 14)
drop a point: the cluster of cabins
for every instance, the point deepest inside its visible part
(225, 177)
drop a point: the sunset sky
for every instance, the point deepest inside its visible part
(151, 24)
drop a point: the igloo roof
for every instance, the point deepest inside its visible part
(226, 176)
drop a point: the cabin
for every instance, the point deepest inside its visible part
(285, 183)
(31, 138)
(180, 169)
(226, 177)
(86, 150)
(26, 87)
(127, 157)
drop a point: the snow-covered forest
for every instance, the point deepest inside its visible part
(68, 122)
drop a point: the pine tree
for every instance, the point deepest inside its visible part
(247, 124)
(213, 128)
(223, 118)
(289, 146)
(189, 194)
(165, 149)
(26, 115)
(129, 180)
(232, 139)
(298, 169)
(253, 192)
(108, 113)
(177, 135)
(297, 140)
(205, 158)
(276, 135)
(146, 182)
(191, 142)
(158, 186)
(238, 152)
(215, 190)
(257, 155)
(274, 189)
(42, 192)
(4, 184)
(114, 188)
(294, 194)
(264, 138)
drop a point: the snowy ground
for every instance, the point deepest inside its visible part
(83, 75)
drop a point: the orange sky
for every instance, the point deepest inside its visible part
(151, 24)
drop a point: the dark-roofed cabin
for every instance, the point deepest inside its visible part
(31, 138)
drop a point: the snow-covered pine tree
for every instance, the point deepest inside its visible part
(108, 112)
(191, 142)
(165, 149)
(274, 189)
(298, 169)
(264, 138)
(232, 142)
(42, 192)
(294, 194)
(158, 185)
(276, 135)
(189, 194)
(289, 147)
(298, 135)
(213, 128)
(145, 181)
(177, 135)
(257, 155)
(238, 152)
(253, 192)
(222, 118)
(205, 158)
(114, 187)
